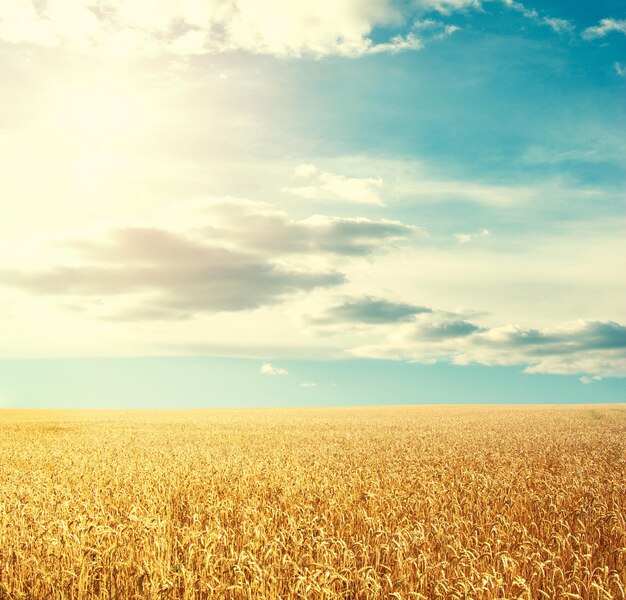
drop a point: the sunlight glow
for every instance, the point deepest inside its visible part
(100, 110)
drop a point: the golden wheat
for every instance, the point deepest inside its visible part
(402, 502)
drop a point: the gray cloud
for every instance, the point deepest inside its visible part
(223, 256)
(604, 335)
(592, 348)
(261, 230)
(180, 275)
(587, 335)
(373, 310)
(447, 329)
(360, 236)
(146, 245)
(515, 337)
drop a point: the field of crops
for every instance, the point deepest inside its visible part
(399, 502)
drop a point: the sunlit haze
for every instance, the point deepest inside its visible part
(246, 203)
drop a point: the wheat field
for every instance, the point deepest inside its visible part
(397, 502)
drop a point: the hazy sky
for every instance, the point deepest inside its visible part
(341, 183)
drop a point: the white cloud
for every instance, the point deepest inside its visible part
(620, 69)
(605, 27)
(447, 7)
(472, 191)
(190, 27)
(330, 187)
(587, 379)
(519, 7)
(437, 29)
(272, 27)
(269, 369)
(19, 22)
(422, 24)
(398, 43)
(465, 238)
(192, 42)
(305, 170)
(308, 384)
(393, 182)
(557, 25)
(299, 27)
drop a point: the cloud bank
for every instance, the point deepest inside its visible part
(196, 27)
(237, 256)
(297, 28)
(588, 348)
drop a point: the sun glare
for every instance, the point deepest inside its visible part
(100, 111)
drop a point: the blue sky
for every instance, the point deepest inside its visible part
(155, 383)
(415, 201)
